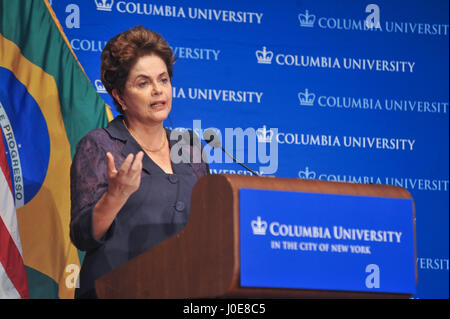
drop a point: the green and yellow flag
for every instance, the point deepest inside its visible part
(47, 105)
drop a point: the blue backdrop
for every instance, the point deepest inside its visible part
(348, 103)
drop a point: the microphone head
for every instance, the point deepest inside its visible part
(211, 137)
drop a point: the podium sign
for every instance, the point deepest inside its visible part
(326, 241)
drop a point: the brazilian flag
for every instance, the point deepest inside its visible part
(47, 104)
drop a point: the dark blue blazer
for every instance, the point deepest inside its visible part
(156, 211)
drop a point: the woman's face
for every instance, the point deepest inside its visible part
(147, 97)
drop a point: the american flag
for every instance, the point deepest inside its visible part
(13, 279)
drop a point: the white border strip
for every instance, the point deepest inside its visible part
(7, 289)
(17, 179)
(8, 212)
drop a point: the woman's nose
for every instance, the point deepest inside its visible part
(156, 89)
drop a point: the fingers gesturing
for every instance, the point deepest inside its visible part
(125, 180)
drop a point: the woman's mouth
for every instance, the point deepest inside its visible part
(158, 105)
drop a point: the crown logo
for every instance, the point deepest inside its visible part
(259, 226)
(307, 174)
(307, 20)
(99, 86)
(263, 56)
(306, 98)
(264, 135)
(104, 5)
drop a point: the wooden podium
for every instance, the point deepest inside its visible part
(203, 260)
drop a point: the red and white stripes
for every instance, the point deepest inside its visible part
(13, 279)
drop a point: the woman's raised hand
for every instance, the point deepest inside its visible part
(126, 180)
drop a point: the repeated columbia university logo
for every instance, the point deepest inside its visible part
(369, 143)
(265, 56)
(265, 135)
(99, 86)
(306, 19)
(372, 22)
(143, 8)
(306, 97)
(104, 5)
(409, 183)
(307, 174)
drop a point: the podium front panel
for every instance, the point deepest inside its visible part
(300, 240)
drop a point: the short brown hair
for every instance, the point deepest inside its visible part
(122, 52)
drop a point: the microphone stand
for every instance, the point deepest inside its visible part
(210, 135)
(236, 161)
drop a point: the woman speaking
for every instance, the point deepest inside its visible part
(127, 194)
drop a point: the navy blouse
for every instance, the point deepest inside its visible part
(156, 211)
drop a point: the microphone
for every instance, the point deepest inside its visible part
(189, 137)
(211, 137)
